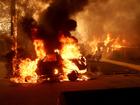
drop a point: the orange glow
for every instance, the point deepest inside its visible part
(83, 77)
(56, 71)
(70, 51)
(117, 44)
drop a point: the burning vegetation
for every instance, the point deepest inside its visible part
(106, 46)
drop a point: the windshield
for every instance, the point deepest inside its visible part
(49, 47)
(108, 46)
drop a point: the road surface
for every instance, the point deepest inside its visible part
(110, 76)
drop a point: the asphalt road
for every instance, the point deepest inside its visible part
(108, 76)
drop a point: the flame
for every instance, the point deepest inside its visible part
(39, 48)
(27, 68)
(107, 40)
(27, 72)
(114, 42)
(107, 45)
(94, 45)
(70, 50)
(117, 44)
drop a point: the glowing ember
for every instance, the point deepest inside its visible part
(56, 71)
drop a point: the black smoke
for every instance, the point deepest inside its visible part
(56, 19)
(57, 16)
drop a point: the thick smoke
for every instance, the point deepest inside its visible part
(57, 16)
(54, 20)
(120, 17)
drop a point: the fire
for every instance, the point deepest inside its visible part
(27, 72)
(113, 43)
(27, 67)
(107, 46)
(71, 61)
(70, 50)
(116, 44)
(107, 40)
(39, 48)
(94, 45)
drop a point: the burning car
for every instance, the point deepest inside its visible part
(58, 56)
(51, 68)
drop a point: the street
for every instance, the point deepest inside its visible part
(110, 77)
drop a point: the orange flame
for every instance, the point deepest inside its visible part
(70, 50)
(107, 46)
(27, 67)
(27, 72)
(39, 48)
(115, 42)
(107, 40)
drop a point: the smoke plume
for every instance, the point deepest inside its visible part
(55, 19)
(57, 16)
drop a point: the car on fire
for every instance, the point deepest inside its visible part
(51, 67)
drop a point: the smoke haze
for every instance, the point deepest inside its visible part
(120, 17)
(59, 12)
